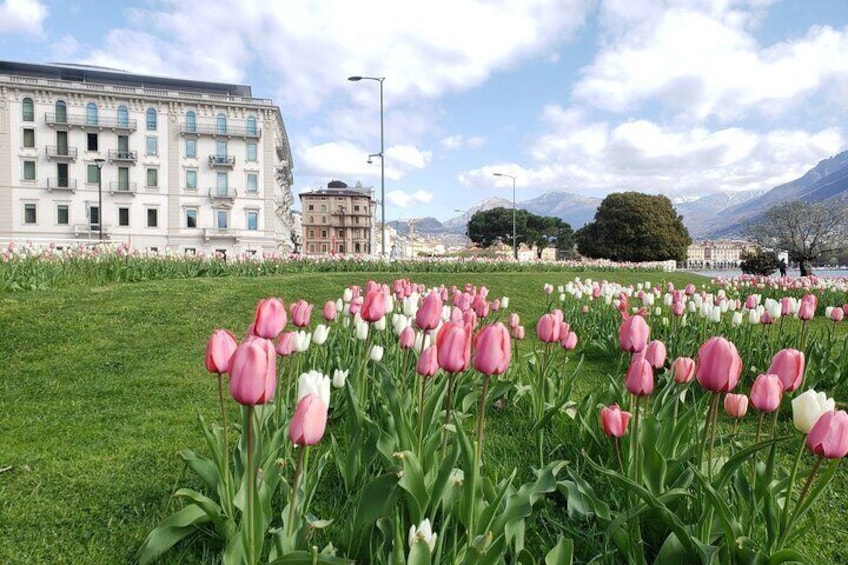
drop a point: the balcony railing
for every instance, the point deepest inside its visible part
(119, 155)
(216, 193)
(61, 183)
(90, 231)
(86, 121)
(216, 130)
(118, 187)
(221, 233)
(222, 161)
(61, 152)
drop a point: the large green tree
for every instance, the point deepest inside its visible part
(489, 227)
(631, 226)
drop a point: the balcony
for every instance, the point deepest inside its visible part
(90, 231)
(226, 161)
(118, 187)
(217, 194)
(215, 130)
(221, 233)
(123, 156)
(92, 122)
(61, 153)
(61, 184)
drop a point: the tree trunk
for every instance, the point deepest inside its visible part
(802, 265)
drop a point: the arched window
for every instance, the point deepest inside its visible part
(151, 119)
(91, 114)
(123, 117)
(191, 122)
(251, 125)
(61, 112)
(27, 110)
(221, 124)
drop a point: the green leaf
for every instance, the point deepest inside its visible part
(788, 556)
(170, 531)
(412, 481)
(376, 501)
(419, 554)
(205, 468)
(562, 553)
(308, 558)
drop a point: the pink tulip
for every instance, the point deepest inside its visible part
(633, 334)
(285, 345)
(253, 372)
(301, 312)
(766, 393)
(786, 306)
(219, 351)
(309, 421)
(407, 338)
(374, 307)
(683, 370)
(514, 320)
(837, 314)
(454, 347)
(330, 311)
(569, 341)
(655, 354)
(492, 350)
(845, 309)
(430, 313)
(640, 378)
(788, 364)
(736, 405)
(549, 326)
(807, 308)
(829, 435)
(677, 309)
(270, 318)
(428, 362)
(689, 289)
(719, 365)
(614, 420)
(355, 305)
(518, 332)
(751, 302)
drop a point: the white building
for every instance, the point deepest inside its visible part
(187, 166)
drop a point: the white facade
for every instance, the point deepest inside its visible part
(187, 166)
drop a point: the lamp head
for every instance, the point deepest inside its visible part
(354, 78)
(99, 162)
(370, 160)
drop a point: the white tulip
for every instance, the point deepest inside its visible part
(754, 317)
(736, 319)
(314, 382)
(376, 353)
(380, 324)
(808, 407)
(361, 328)
(340, 305)
(423, 533)
(339, 378)
(347, 295)
(320, 334)
(346, 321)
(390, 303)
(422, 342)
(505, 302)
(302, 340)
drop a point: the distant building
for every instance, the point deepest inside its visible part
(338, 220)
(178, 165)
(718, 254)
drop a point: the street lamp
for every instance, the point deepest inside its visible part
(514, 240)
(100, 161)
(382, 161)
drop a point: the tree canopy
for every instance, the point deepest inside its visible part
(804, 230)
(631, 226)
(489, 227)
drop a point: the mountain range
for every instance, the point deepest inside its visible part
(716, 215)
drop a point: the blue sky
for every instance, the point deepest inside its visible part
(681, 97)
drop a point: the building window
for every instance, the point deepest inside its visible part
(152, 217)
(61, 112)
(311, 219)
(29, 138)
(311, 233)
(92, 142)
(29, 214)
(311, 207)
(221, 150)
(62, 214)
(323, 234)
(153, 178)
(323, 207)
(152, 145)
(341, 248)
(222, 184)
(92, 174)
(191, 122)
(151, 119)
(221, 124)
(221, 218)
(251, 125)
(341, 233)
(312, 248)
(62, 173)
(251, 152)
(191, 217)
(27, 110)
(123, 117)
(91, 114)
(191, 179)
(357, 233)
(190, 251)
(123, 146)
(123, 178)
(94, 216)
(357, 248)
(356, 219)
(323, 248)
(252, 220)
(123, 217)
(191, 148)
(252, 182)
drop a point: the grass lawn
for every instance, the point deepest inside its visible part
(100, 389)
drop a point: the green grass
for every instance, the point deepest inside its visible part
(100, 389)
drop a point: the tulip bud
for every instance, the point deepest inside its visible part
(614, 420)
(683, 370)
(314, 382)
(302, 341)
(719, 365)
(766, 393)
(330, 311)
(253, 372)
(829, 435)
(736, 405)
(219, 350)
(428, 362)
(423, 534)
(808, 407)
(339, 378)
(633, 334)
(492, 350)
(655, 354)
(569, 341)
(788, 364)
(376, 353)
(640, 377)
(309, 421)
(270, 318)
(320, 335)
(301, 313)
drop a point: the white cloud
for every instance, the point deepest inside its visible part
(64, 49)
(407, 156)
(22, 16)
(403, 199)
(459, 141)
(345, 160)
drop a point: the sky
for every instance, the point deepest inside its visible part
(680, 97)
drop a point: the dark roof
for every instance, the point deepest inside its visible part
(82, 73)
(364, 193)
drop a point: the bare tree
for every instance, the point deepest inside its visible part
(804, 230)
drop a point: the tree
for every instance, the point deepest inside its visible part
(759, 262)
(631, 226)
(804, 230)
(489, 227)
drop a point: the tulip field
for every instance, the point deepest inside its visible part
(614, 416)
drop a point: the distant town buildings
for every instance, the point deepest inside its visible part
(159, 163)
(338, 220)
(717, 254)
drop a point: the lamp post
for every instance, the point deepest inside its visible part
(382, 163)
(514, 240)
(100, 161)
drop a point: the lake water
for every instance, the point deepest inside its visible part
(789, 272)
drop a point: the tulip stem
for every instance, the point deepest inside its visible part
(478, 453)
(789, 487)
(251, 486)
(226, 451)
(785, 534)
(755, 456)
(293, 501)
(421, 386)
(447, 412)
(713, 429)
(713, 405)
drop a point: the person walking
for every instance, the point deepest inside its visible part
(782, 267)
